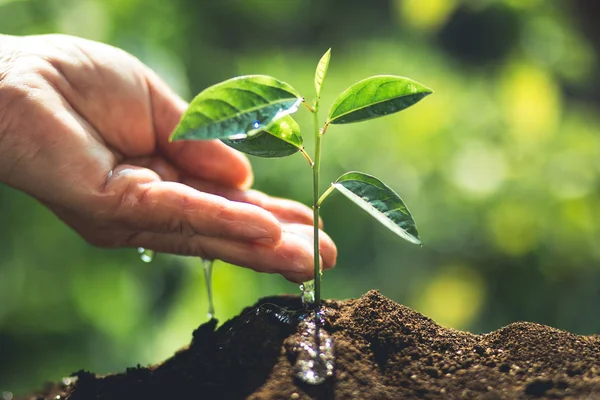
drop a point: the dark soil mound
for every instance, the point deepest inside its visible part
(383, 351)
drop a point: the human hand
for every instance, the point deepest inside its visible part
(84, 129)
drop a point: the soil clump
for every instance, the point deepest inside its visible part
(383, 350)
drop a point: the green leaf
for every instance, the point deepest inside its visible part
(379, 200)
(280, 139)
(237, 108)
(375, 97)
(321, 71)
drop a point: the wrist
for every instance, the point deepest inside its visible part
(7, 55)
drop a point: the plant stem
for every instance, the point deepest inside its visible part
(312, 110)
(307, 156)
(324, 195)
(316, 169)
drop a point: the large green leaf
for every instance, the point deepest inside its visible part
(282, 138)
(237, 108)
(321, 71)
(379, 200)
(375, 97)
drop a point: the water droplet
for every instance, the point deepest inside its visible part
(256, 125)
(207, 267)
(287, 111)
(238, 136)
(316, 360)
(307, 290)
(7, 396)
(146, 255)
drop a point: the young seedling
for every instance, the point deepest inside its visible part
(253, 115)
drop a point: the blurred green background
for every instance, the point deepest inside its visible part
(500, 168)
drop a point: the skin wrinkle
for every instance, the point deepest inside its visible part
(76, 90)
(6, 123)
(27, 87)
(185, 228)
(92, 141)
(5, 59)
(131, 239)
(19, 96)
(81, 92)
(130, 197)
(188, 207)
(90, 67)
(57, 79)
(56, 61)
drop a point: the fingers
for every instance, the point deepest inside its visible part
(164, 169)
(284, 209)
(327, 248)
(210, 160)
(136, 199)
(292, 257)
(138, 209)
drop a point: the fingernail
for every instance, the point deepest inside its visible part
(302, 262)
(247, 184)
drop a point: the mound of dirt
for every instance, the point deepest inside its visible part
(383, 350)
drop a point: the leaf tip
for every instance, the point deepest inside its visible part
(414, 239)
(426, 90)
(176, 135)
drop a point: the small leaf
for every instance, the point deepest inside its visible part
(379, 200)
(375, 97)
(237, 108)
(282, 138)
(321, 71)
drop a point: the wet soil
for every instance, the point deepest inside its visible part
(383, 351)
